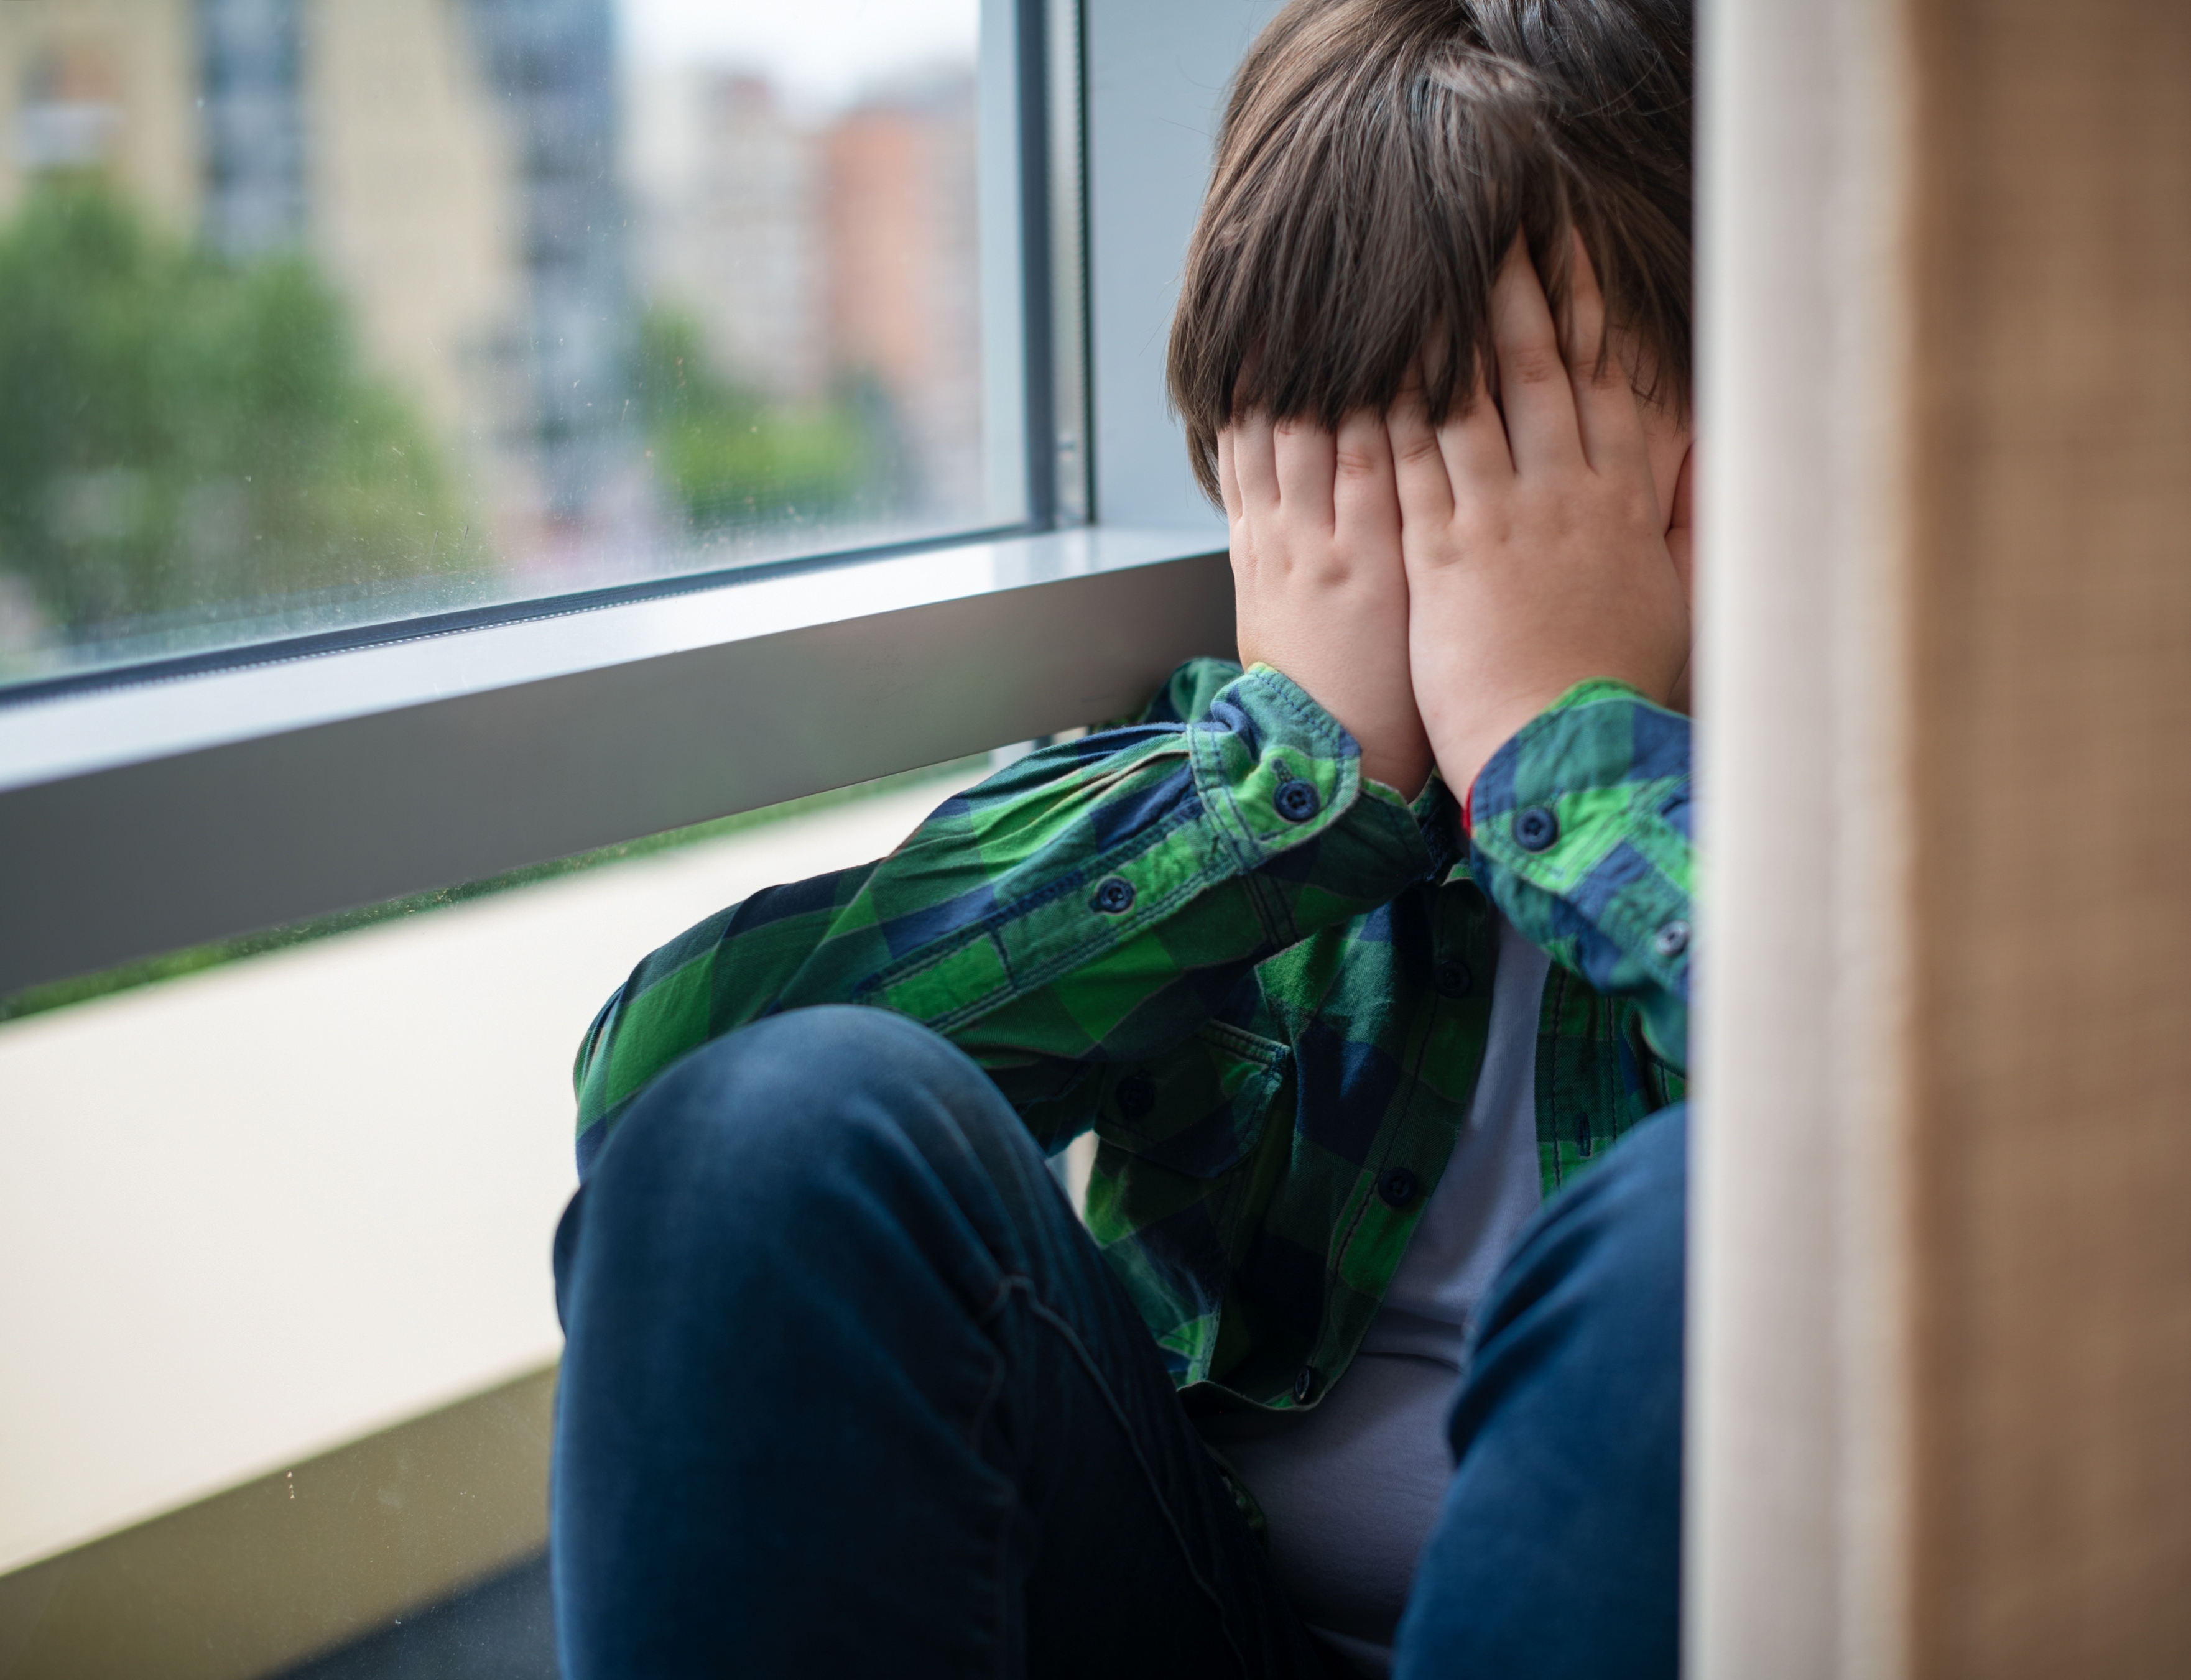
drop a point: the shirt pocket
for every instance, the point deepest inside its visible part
(1199, 1110)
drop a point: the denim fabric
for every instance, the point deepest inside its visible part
(1558, 1554)
(849, 1390)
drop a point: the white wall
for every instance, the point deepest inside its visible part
(254, 1213)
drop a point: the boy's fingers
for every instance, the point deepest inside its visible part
(1228, 479)
(1607, 412)
(1254, 468)
(1306, 461)
(1533, 389)
(1364, 503)
(1419, 470)
(1585, 307)
(1478, 456)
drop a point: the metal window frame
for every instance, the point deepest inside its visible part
(160, 806)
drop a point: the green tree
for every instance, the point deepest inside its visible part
(178, 431)
(733, 457)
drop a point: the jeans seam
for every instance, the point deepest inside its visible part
(998, 1644)
(1017, 1282)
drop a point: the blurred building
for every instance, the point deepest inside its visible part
(467, 175)
(902, 252)
(410, 203)
(451, 164)
(728, 184)
(832, 255)
(110, 84)
(550, 65)
(251, 123)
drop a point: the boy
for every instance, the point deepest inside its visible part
(1347, 959)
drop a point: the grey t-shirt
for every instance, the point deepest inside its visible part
(1353, 1488)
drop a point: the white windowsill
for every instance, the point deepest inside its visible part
(45, 740)
(262, 1211)
(147, 817)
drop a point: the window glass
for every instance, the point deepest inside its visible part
(320, 312)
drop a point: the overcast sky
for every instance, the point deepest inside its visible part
(823, 51)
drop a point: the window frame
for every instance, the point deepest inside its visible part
(159, 806)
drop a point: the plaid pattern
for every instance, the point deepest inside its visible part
(1263, 982)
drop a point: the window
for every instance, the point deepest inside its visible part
(317, 315)
(298, 1374)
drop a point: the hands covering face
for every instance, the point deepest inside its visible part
(1435, 588)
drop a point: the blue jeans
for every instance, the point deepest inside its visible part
(849, 1390)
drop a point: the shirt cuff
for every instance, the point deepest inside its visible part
(1276, 770)
(1580, 826)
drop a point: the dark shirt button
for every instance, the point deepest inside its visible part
(1304, 1384)
(1399, 1187)
(1535, 828)
(1137, 1095)
(1296, 801)
(1113, 894)
(1672, 940)
(1452, 978)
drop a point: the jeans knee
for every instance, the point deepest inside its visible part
(780, 1095)
(851, 1120)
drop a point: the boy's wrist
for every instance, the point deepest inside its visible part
(1385, 727)
(1464, 747)
(1465, 738)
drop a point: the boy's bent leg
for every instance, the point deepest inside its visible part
(1558, 1551)
(849, 1390)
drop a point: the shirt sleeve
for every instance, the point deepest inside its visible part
(1094, 902)
(1580, 830)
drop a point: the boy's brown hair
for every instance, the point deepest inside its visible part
(1378, 158)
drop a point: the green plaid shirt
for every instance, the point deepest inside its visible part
(1264, 982)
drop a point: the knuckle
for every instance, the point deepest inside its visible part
(1532, 364)
(1354, 461)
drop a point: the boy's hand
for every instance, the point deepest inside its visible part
(1535, 545)
(1322, 594)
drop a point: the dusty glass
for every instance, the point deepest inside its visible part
(322, 314)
